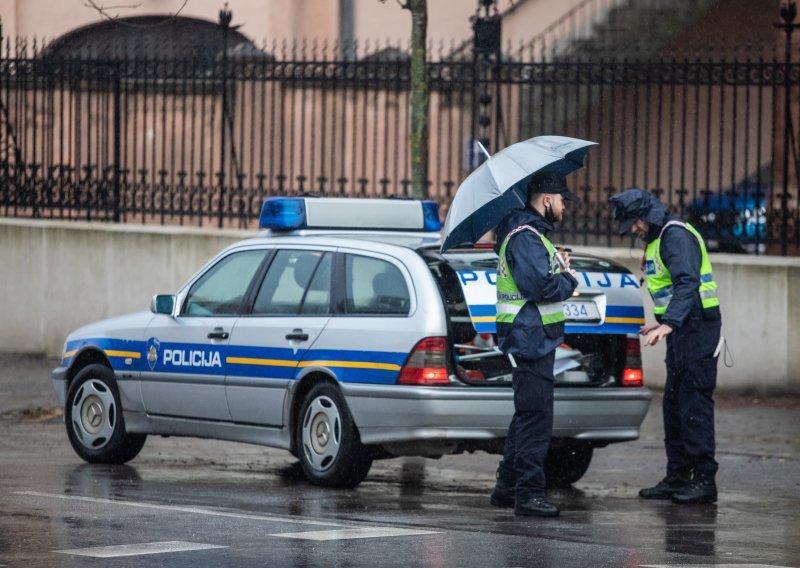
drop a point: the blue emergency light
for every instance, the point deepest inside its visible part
(283, 214)
(295, 213)
(430, 213)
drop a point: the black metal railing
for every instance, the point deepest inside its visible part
(203, 141)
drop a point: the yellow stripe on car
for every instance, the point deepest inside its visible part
(266, 362)
(318, 363)
(351, 364)
(625, 320)
(115, 353)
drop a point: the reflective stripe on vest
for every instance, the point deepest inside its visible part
(509, 299)
(659, 280)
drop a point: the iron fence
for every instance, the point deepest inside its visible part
(203, 141)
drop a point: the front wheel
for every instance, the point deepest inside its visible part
(93, 417)
(567, 463)
(327, 441)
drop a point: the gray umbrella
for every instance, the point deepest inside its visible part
(500, 184)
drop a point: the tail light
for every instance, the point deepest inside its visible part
(632, 374)
(426, 364)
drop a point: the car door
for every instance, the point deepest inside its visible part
(291, 307)
(371, 335)
(187, 352)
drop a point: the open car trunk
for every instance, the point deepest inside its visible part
(596, 351)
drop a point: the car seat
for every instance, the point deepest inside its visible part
(390, 295)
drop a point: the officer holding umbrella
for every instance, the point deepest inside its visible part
(531, 287)
(686, 306)
(522, 190)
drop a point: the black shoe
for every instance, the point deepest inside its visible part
(535, 507)
(503, 495)
(667, 487)
(701, 490)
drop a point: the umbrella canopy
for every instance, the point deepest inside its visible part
(500, 184)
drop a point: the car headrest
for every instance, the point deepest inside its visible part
(303, 269)
(385, 284)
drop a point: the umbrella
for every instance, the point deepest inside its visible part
(500, 184)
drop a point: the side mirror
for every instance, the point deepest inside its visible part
(162, 304)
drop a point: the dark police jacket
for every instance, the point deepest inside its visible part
(528, 260)
(681, 254)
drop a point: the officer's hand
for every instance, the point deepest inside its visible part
(645, 329)
(565, 257)
(657, 334)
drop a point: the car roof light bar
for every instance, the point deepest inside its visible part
(295, 213)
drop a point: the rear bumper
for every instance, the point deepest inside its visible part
(386, 414)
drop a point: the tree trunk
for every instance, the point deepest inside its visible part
(419, 98)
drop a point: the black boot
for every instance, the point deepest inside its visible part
(503, 495)
(668, 486)
(703, 489)
(535, 507)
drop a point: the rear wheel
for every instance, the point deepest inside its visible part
(327, 441)
(567, 463)
(93, 417)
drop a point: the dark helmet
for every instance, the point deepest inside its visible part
(635, 204)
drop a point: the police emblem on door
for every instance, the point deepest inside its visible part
(152, 352)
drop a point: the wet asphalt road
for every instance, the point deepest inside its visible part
(188, 502)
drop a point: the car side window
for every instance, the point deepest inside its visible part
(220, 291)
(318, 293)
(375, 287)
(283, 290)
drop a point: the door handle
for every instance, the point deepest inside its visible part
(298, 335)
(218, 333)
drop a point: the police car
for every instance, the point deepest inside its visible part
(342, 335)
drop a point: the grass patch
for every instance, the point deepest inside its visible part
(42, 413)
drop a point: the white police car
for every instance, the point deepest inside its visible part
(342, 335)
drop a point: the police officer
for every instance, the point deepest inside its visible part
(531, 284)
(686, 306)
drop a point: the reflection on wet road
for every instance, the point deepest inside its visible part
(186, 502)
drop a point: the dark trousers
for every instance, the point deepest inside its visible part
(688, 397)
(531, 427)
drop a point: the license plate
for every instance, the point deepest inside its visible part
(581, 311)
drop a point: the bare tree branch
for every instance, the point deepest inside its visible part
(403, 5)
(103, 11)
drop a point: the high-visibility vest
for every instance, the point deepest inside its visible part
(659, 280)
(510, 300)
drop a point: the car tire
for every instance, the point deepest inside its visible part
(567, 463)
(327, 440)
(94, 421)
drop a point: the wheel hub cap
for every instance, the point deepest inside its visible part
(92, 414)
(321, 433)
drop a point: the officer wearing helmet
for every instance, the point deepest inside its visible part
(680, 281)
(531, 285)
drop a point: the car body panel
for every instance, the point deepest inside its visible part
(188, 376)
(243, 388)
(398, 413)
(259, 375)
